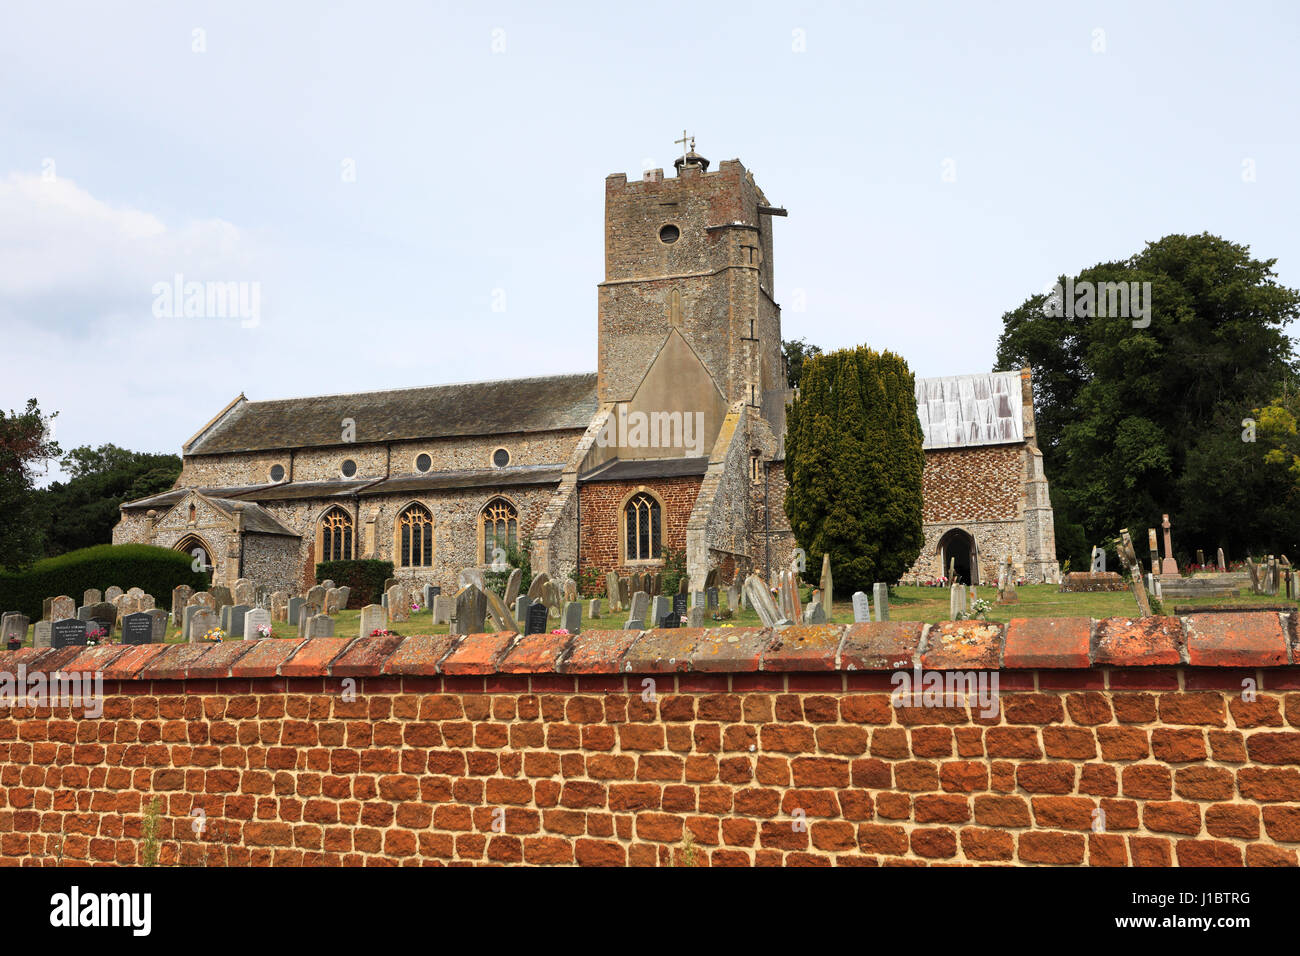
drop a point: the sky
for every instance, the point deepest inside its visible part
(412, 194)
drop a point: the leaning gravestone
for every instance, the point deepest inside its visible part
(660, 607)
(639, 608)
(373, 618)
(137, 628)
(760, 598)
(861, 607)
(500, 611)
(254, 618)
(471, 611)
(472, 576)
(345, 595)
(43, 634)
(69, 632)
(180, 598)
(399, 604)
(536, 623)
(316, 595)
(294, 609)
(572, 621)
(320, 625)
(333, 600)
(62, 607)
(881, 595)
(92, 596)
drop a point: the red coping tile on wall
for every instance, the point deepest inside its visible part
(731, 650)
(50, 659)
(804, 648)
(1048, 642)
(93, 659)
(173, 662)
(265, 657)
(536, 654)
(963, 645)
(1236, 640)
(1139, 642)
(365, 657)
(418, 656)
(127, 665)
(880, 645)
(313, 656)
(597, 652)
(218, 660)
(477, 654)
(662, 650)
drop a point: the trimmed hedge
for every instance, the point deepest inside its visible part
(365, 578)
(154, 570)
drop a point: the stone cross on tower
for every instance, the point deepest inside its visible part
(1168, 565)
(683, 142)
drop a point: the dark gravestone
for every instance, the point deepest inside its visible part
(69, 633)
(137, 628)
(712, 597)
(536, 619)
(679, 607)
(671, 619)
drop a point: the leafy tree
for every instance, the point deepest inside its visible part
(1135, 420)
(853, 462)
(83, 510)
(24, 441)
(796, 352)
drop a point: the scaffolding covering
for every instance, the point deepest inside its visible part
(964, 410)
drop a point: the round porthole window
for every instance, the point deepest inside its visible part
(277, 472)
(349, 468)
(423, 463)
(669, 233)
(501, 458)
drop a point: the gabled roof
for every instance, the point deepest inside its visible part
(558, 402)
(632, 469)
(964, 410)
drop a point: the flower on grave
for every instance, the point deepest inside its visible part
(561, 632)
(216, 635)
(380, 632)
(416, 607)
(264, 630)
(94, 634)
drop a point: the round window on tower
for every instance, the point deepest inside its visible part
(669, 234)
(423, 463)
(277, 472)
(349, 468)
(501, 458)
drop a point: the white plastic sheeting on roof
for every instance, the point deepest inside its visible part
(964, 410)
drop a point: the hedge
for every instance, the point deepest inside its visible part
(365, 578)
(154, 570)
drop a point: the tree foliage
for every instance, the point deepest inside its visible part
(24, 442)
(796, 352)
(1137, 421)
(853, 462)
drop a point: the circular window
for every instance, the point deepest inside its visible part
(669, 233)
(501, 458)
(277, 472)
(423, 462)
(349, 468)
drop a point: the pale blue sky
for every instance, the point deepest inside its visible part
(127, 157)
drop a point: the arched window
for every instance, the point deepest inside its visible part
(643, 526)
(499, 522)
(415, 537)
(336, 536)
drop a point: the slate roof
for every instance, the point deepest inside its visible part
(468, 478)
(965, 410)
(256, 518)
(439, 411)
(630, 469)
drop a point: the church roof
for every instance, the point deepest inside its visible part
(441, 411)
(632, 469)
(965, 410)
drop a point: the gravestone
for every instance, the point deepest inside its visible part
(500, 611)
(345, 595)
(956, 602)
(13, 625)
(711, 578)
(593, 609)
(733, 597)
(254, 618)
(711, 598)
(333, 600)
(159, 618)
(316, 595)
(373, 618)
(320, 625)
(69, 632)
(536, 622)
(224, 618)
(389, 582)
(637, 611)
(237, 614)
(660, 606)
(328, 583)
(827, 583)
(293, 609)
(137, 628)
(1200, 558)
(1007, 584)
(45, 608)
(760, 599)
(145, 602)
(513, 583)
(222, 596)
(657, 582)
(244, 592)
(669, 620)
(43, 634)
(680, 608)
(63, 607)
(92, 596)
(521, 612)
(696, 616)
(554, 598)
(814, 614)
(429, 592)
(537, 586)
(304, 618)
(471, 610)
(187, 616)
(792, 577)
(572, 620)
(624, 593)
(611, 592)
(113, 592)
(105, 613)
(698, 598)
(1168, 565)
(683, 585)
(201, 620)
(472, 576)
(399, 605)
(444, 605)
(181, 595)
(861, 607)
(880, 599)
(383, 601)
(570, 591)
(1223, 565)
(635, 582)
(279, 601)
(197, 599)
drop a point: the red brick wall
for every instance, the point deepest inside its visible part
(601, 520)
(967, 484)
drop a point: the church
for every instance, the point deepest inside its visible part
(674, 442)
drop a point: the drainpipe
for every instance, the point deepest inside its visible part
(767, 524)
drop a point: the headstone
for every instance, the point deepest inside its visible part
(293, 609)
(159, 618)
(69, 632)
(197, 599)
(429, 592)
(1200, 558)
(45, 608)
(553, 597)
(320, 625)
(502, 619)
(244, 592)
(669, 620)
(1128, 558)
(635, 582)
(681, 608)
(63, 607)
(333, 600)
(760, 598)
(383, 600)
(814, 614)
(521, 613)
(538, 585)
(443, 607)
(279, 601)
(711, 598)
(237, 614)
(373, 618)
(1168, 565)
(657, 582)
(611, 592)
(180, 598)
(711, 578)
(625, 593)
(389, 582)
(316, 595)
(112, 591)
(472, 576)
(399, 605)
(137, 628)
(682, 585)
(470, 613)
(345, 595)
(1254, 575)
(827, 583)
(92, 596)
(222, 596)
(13, 625)
(572, 620)
(637, 611)
(536, 618)
(201, 620)
(1007, 584)
(861, 607)
(43, 634)
(695, 616)
(570, 591)
(593, 609)
(956, 602)
(328, 583)
(223, 618)
(698, 598)
(1152, 547)
(660, 607)
(1223, 565)
(513, 583)
(254, 618)
(880, 600)
(733, 597)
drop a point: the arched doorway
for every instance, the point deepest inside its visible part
(197, 548)
(958, 548)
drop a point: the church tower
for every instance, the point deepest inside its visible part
(687, 297)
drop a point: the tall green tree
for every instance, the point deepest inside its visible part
(1139, 415)
(796, 351)
(25, 442)
(853, 463)
(83, 510)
